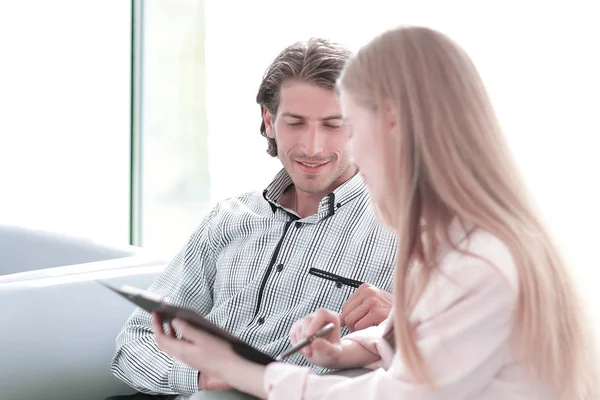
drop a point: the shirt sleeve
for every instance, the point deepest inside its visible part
(187, 281)
(463, 321)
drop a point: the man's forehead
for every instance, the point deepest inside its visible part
(308, 101)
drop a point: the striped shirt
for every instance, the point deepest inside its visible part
(254, 267)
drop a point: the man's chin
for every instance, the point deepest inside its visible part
(311, 187)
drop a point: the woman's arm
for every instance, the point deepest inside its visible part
(247, 377)
(331, 351)
(354, 355)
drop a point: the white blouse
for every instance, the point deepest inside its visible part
(464, 322)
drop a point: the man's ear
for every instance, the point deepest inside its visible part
(268, 119)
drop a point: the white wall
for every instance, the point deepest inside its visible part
(540, 61)
(64, 116)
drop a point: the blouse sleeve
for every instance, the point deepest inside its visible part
(371, 339)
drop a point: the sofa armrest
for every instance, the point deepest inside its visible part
(61, 325)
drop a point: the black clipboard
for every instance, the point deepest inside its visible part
(152, 303)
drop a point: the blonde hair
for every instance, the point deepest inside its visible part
(450, 160)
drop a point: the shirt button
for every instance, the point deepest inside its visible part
(298, 224)
(338, 284)
(280, 268)
(261, 320)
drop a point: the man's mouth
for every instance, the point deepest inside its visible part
(312, 167)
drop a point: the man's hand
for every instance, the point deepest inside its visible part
(368, 306)
(207, 382)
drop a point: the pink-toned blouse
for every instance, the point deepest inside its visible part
(464, 321)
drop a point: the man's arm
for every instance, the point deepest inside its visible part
(187, 281)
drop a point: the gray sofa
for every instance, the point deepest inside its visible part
(25, 249)
(59, 325)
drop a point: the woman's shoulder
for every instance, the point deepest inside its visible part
(484, 254)
(478, 271)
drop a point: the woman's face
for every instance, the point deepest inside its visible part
(366, 145)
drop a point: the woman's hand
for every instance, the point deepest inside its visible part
(196, 348)
(326, 351)
(214, 358)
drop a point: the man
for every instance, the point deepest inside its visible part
(260, 261)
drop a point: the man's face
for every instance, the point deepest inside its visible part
(312, 140)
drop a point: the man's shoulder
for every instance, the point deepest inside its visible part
(228, 209)
(246, 197)
(252, 201)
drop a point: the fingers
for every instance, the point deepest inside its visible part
(321, 346)
(193, 335)
(324, 348)
(293, 337)
(354, 301)
(167, 343)
(310, 324)
(374, 317)
(371, 319)
(157, 324)
(322, 317)
(186, 330)
(298, 329)
(307, 351)
(374, 309)
(356, 315)
(171, 331)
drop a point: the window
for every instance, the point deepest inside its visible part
(199, 139)
(65, 119)
(175, 182)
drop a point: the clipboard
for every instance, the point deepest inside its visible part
(153, 303)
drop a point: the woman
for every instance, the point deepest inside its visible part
(484, 306)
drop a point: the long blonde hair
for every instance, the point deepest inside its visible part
(450, 160)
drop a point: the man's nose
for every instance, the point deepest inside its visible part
(313, 141)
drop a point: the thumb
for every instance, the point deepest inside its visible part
(323, 348)
(321, 345)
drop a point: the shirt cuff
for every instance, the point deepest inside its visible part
(182, 378)
(372, 340)
(285, 381)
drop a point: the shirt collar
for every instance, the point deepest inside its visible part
(344, 193)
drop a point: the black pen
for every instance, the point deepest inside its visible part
(324, 331)
(339, 280)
